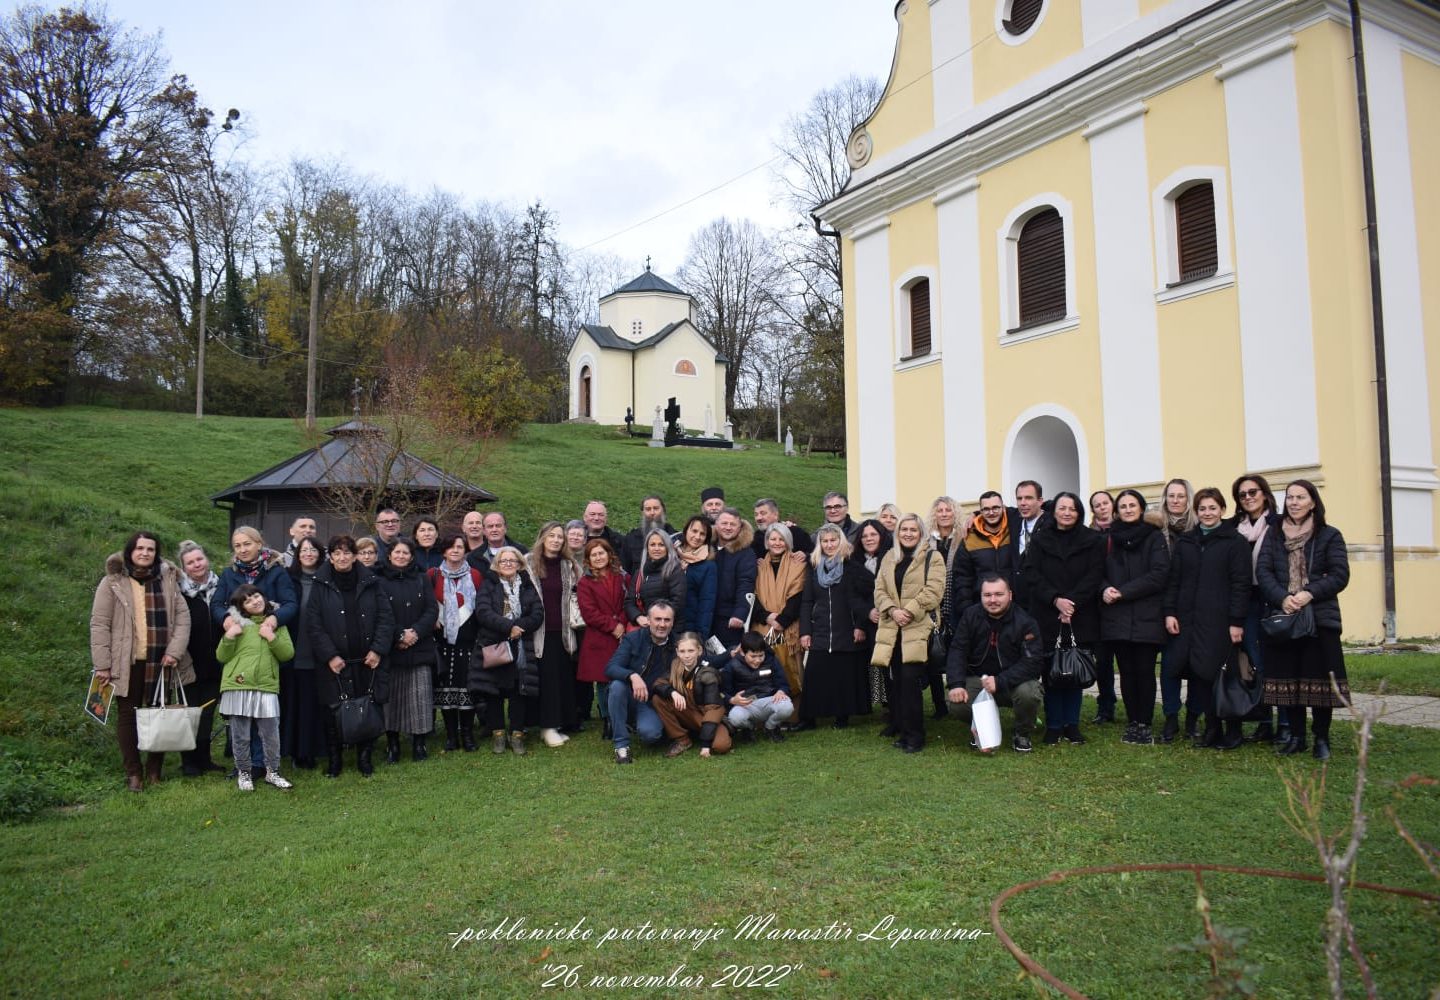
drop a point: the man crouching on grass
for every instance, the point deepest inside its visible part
(996, 647)
(641, 661)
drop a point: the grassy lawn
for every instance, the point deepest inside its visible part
(1403, 673)
(355, 886)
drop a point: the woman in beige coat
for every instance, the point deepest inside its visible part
(908, 589)
(139, 625)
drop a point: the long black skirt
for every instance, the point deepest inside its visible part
(302, 717)
(556, 701)
(830, 684)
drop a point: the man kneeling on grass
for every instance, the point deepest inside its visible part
(996, 647)
(756, 690)
(690, 703)
(641, 661)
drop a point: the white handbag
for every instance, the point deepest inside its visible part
(577, 620)
(164, 728)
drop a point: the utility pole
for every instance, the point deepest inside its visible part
(200, 366)
(314, 336)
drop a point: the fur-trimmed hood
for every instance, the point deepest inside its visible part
(115, 566)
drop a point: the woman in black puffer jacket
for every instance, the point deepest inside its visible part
(1132, 621)
(1205, 602)
(509, 610)
(351, 630)
(1305, 564)
(411, 707)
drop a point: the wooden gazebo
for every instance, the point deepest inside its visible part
(313, 482)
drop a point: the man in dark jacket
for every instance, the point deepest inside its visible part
(767, 512)
(837, 512)
(996, 648)
(734, 579)
(987, 547)
(597, 525)
(496, 537)
(652, 516)
(639, 663)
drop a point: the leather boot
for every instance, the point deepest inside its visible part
(1234, 736)
(1264, 733)
(363, 762)
(452, 728)
(154, 762)
(333, 750)
(467, 730)
(1170, 729)
(392, 748)
(1211, 736)
(418, 750)
(1192, 724)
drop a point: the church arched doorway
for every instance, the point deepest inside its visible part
(585, 393)
(1045, 448)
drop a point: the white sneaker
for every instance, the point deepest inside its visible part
(552, 737)
(242, 778)
(273, 778)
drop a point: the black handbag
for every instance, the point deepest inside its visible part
(939, 647)
(1071, 667)
(357, 717)
(1300, 625)
(1236, 696)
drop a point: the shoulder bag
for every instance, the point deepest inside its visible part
(1236, 695)
(1071, 667)
(357, 717)
(496, 654)
(163, 728)
(1300, 625)
(577, 620)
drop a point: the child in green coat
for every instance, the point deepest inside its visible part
(250, 684)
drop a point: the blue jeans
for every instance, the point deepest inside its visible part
(1062, 707)
(1170, 683)
(623, 708)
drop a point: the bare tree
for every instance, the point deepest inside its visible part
(733, 272)
(84, 109)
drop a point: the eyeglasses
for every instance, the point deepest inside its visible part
(507, 562)
(991, 510)
(835, 506)
(1247, 494)
(388, 520)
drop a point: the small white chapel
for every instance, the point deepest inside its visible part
(646, 349)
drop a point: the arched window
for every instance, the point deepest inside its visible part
(1195, 231)
(917, 340)
(1040, 269)
(685, 367)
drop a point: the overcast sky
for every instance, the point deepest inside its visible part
(609, 111)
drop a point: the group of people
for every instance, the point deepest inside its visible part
(728, 627)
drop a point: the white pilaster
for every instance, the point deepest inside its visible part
(1277, 349)
(951, 71)
(962, 342)
(1412, 454)
(1099, 18)
(1129, 335)
(875, 359)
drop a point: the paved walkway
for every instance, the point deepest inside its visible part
(1404, 709)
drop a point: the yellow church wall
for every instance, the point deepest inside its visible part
(907, 108)
(998, 66)
(1148, 7)
(1062, 369)
(692, 392)
(1201, 392)
(919, 423)
(1338, 259)
(611, 387)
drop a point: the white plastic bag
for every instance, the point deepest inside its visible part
(985, 721)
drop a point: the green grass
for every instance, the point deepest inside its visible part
(1403, 673)
(352, 886)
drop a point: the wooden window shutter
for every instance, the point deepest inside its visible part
(920, 318)
(1195, 232)
(1040, 268)
(1022, 15)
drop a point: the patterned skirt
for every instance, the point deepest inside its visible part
(1297, 671)
(452, 677)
